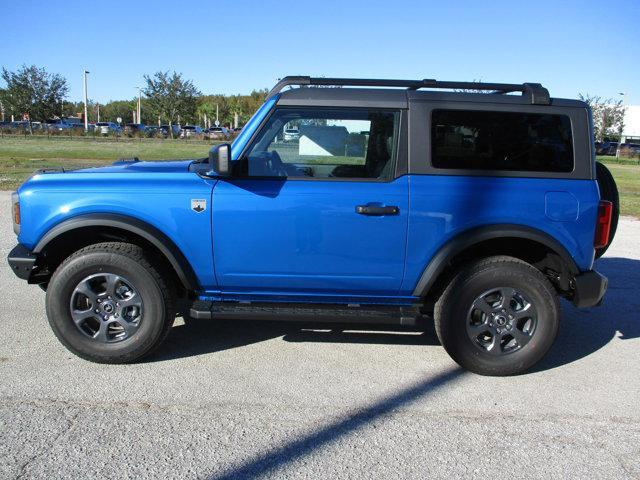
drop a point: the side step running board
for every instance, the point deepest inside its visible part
(371, 314)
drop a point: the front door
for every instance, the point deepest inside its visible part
(313, 209)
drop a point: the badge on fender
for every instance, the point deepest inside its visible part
(198, 205)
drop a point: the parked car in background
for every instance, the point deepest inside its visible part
(105, 128)
(165, 130)
(152, 131)
(217, 133)
(21, 125)
(189, 131)
(291, 134)
(57, 125)
(131, 129)
(61, 124)
(607, 148)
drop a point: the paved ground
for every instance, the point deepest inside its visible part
(242, 400)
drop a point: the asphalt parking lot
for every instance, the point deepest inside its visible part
(242, 400)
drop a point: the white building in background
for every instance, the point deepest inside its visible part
(631, 130)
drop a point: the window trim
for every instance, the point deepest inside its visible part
(420, 155)
(401, 149)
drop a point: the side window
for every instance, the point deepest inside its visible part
(482, 140)
(323, 143)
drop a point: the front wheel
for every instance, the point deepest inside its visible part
(107, 303)
(498, 316)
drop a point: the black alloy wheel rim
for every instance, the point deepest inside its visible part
(501, 321)
(106, 307)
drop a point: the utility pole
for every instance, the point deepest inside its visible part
(86, 118)
(98, 105)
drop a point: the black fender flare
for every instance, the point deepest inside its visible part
(471, 237)
(138, 227)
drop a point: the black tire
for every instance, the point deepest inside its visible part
(453, 312)
(608, 191)
(125, 261)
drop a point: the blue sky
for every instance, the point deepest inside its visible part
(235, 46)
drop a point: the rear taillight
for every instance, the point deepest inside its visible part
(603, 225)
(15, 212)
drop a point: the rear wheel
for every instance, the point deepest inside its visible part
(107, 303)
(608, 191)
(498, 316)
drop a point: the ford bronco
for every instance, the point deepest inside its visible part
(472, 205)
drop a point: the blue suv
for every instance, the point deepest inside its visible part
(398, 201)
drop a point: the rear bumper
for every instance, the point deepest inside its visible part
(590, 288)
(21, 261)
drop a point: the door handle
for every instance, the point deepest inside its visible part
(376, 210)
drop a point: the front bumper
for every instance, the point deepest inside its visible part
(590, 288)
(21, 261)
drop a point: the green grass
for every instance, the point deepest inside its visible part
(20, 156)
(628, 180)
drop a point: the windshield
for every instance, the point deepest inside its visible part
(241, 140)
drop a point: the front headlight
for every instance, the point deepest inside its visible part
(15, 212)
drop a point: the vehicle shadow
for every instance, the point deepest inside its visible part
(585, 331)
(198, 337)
(582, 331)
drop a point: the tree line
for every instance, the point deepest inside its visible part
(37, 95)
(169, 98)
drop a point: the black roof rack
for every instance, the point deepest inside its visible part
(537, 94)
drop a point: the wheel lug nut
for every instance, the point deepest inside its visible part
(99, 301)
(97, 310)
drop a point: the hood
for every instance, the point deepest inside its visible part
(135, 166)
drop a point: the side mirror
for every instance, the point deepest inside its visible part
(220, 158)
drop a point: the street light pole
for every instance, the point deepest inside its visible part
(86, 118)
(624, 100)
(139, 109)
